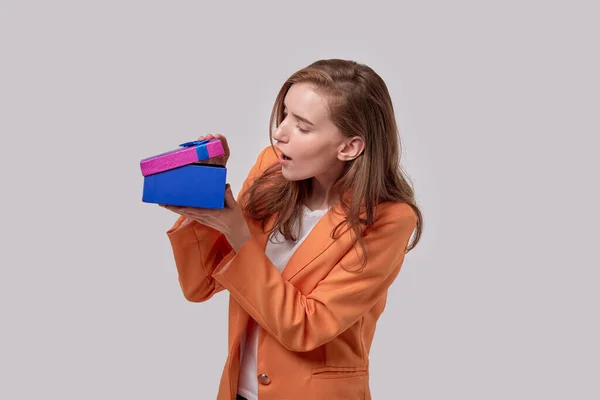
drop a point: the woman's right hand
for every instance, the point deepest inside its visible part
(220, 160)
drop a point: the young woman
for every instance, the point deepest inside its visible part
(316, 238)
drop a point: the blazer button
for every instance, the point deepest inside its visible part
(264, 379)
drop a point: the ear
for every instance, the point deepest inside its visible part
(351, 148)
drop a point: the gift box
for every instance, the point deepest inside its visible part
(190, 152)
(192, 185)
(183, 180)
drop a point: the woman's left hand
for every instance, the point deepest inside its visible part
(230, 220)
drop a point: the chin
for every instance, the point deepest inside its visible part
(293, 177)
(288, 176)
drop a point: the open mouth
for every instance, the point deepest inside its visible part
(284, 156)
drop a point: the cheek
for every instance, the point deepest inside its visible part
(314, 156)
(317, 162)
(325, 155)
(318, 148)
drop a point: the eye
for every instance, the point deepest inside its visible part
(301, 130)
(285, 114)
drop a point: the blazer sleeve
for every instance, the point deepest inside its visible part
(304, 322)
(198, 249)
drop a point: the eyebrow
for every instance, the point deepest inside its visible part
(299, 117)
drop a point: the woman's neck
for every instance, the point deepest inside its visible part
(321, 195)
(319, 198)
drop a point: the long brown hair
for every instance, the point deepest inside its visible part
(359, 105)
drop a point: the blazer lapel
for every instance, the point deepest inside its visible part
(318, 240)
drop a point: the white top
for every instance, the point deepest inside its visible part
(279, 253)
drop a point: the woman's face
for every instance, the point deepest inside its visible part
(308, 142)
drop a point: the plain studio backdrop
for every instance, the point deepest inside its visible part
(497, 105)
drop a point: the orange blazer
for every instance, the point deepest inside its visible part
(316, 320)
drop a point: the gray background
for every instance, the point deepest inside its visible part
(497, 104)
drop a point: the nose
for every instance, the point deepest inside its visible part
(280, 133)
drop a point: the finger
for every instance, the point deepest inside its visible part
(223, 142)
(203, 221)
(185, 211)
(168, 207)
(229, 199)
(189, 211)
(175, 210)
(194, 212)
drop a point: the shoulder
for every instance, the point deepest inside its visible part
(265, 159)
(394, 225)
(397, 216)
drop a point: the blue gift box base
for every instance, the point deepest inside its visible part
(193, 185)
